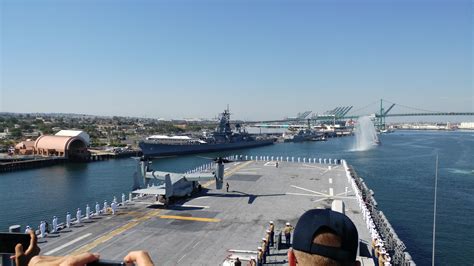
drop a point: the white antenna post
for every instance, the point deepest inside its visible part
(434, 212)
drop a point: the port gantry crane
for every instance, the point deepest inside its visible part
(340, 113)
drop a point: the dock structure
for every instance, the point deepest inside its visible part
(23, 164)
(215, 226)
(99, 155)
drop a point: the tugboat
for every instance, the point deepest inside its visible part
(223, 138)
(305, 135)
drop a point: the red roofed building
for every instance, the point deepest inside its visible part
(26, 147)
(73, 148)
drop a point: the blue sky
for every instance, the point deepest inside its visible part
(266, 59)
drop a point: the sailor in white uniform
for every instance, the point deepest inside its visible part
(97, 208)
(123, 199)
(42, 229)
(78, 216)
(388, 260)
(114, 207)
(105, 207)
(55, 224)
(68, 220)
(28, 229)
(88, 211)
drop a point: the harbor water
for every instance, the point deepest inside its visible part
(400, 171)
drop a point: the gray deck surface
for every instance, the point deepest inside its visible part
(259, 192)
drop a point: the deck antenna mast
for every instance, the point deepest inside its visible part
(434, 212)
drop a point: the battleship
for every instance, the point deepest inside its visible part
(223, 138)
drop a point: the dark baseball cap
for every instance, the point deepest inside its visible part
(313, 222)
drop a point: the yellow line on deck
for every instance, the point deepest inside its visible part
(106, 237)
(188, 218)
(229, 173)
(111, 234)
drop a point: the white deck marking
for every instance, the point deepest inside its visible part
(330, 180)
(182, 257)
(237, 163)
(203, 197)
(309, 190)
(313, 167)
(193, 206)
(196, 244)
(67, 244)
(225, 169)
(324, 172)
(331, 191)
(342, 193)
(145, 203)
(344, 197)
(303, 194)
(242, 251)
(320, 199)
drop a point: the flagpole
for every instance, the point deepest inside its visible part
(434, 212)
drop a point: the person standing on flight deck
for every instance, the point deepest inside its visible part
(260, 256)
(88, 211)
(105, 207)
(287, 230)
(227, 186)
(43, 229)
(55, 224)
(237, 262)
(267, 240)
(97, 208)
(68, 220)
(78, 216)
(272, 233)
(264, 249)
(114, 207)
(47, 227)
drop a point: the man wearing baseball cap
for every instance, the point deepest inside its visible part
(324, 237)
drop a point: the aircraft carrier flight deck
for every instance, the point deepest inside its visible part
(214, 226)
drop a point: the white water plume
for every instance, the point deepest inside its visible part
(365, 134)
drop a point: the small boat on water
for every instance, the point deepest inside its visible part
(305, 135)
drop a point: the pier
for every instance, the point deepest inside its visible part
(100, 155)
(32, 162)
(23, 164)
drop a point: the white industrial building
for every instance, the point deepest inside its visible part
(75, 133)
(466, 125)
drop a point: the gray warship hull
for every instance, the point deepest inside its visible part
(152, 149)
